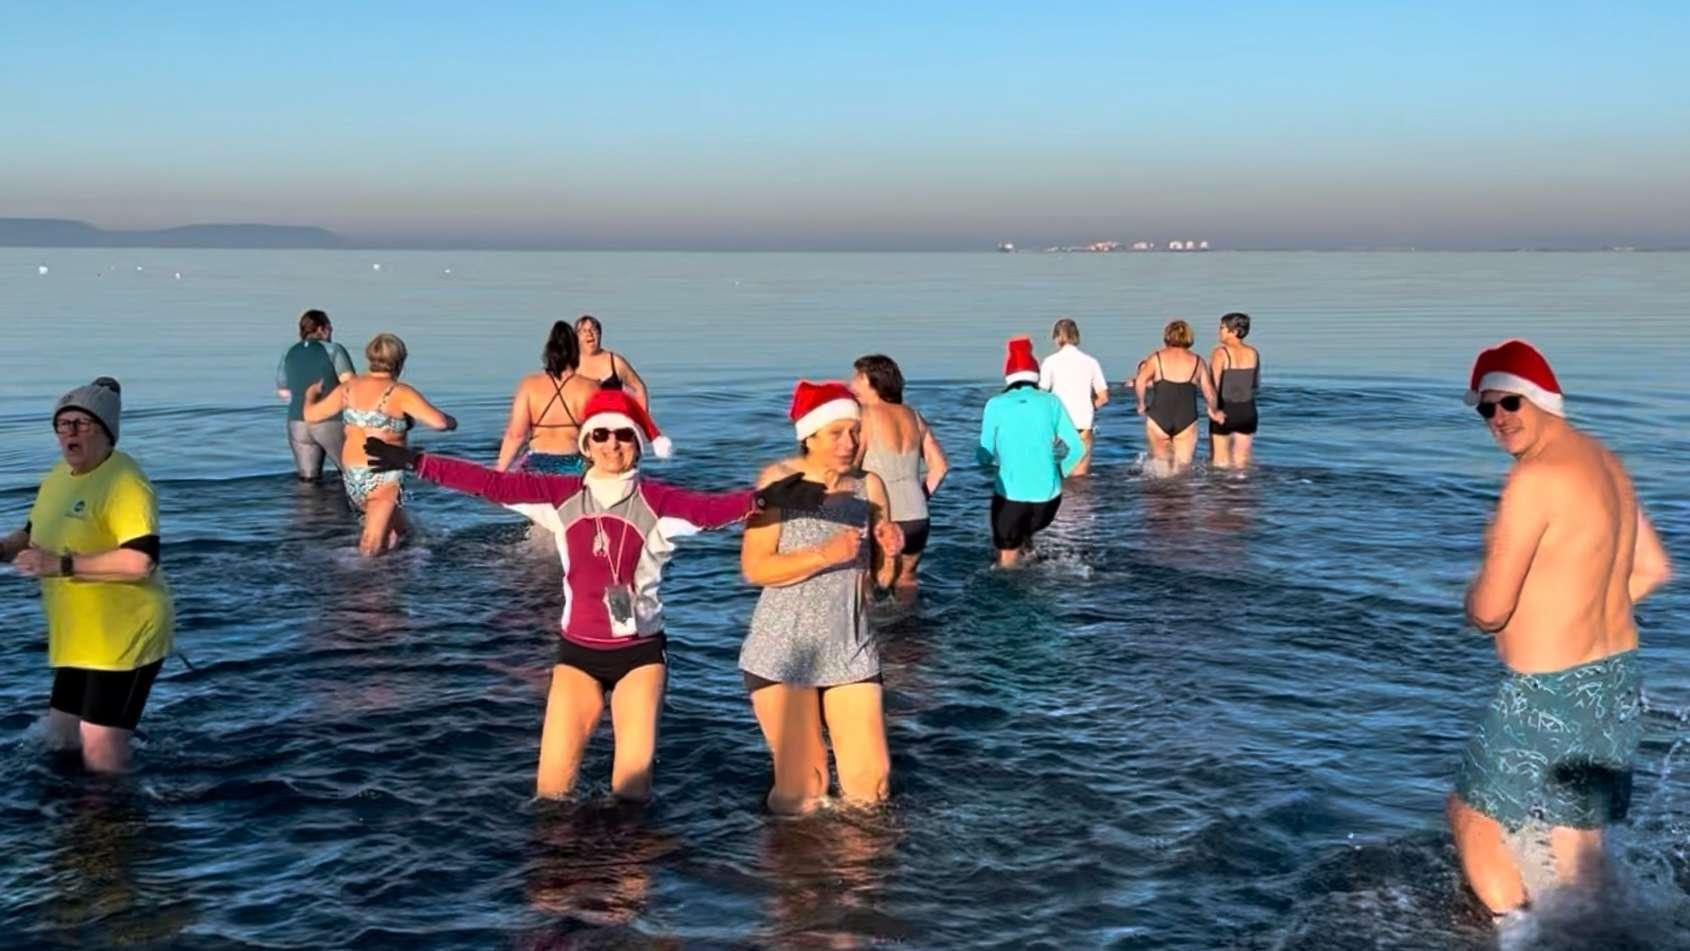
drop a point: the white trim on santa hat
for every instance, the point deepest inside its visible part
(829, 412)
(1022, 376)
(659, 447)
(1543, 399)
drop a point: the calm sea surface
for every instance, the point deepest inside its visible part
(1219, 713)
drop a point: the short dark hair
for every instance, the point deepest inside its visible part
(883, 375)
(563, 351)
(598, 328)
(1237, 323)
(312, 321)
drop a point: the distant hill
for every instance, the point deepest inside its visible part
(63, 233)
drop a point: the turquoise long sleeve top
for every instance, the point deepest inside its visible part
(1018, 435)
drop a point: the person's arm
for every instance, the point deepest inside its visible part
(282, 391)
(1146, 375)
(699, 510)
(1510, 545)
(887, 536)
(1070, 436)
(14, 543)
(342, 362)
(319, 407)
(505, 488)
(128, 511)
(632, 382)
(865, 432)
(934, 456)
(1099, 386)
(986, 453)
(1046, 378)
(517, 428)
(1208, 387)
(420, 409)
(1650, 566)
(763, 564)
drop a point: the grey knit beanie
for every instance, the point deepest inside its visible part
(101, 399)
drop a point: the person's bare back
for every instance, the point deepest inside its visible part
(1573, 605)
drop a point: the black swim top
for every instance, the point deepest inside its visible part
(1238, 385)
(1173, 404)
(611, 382)
(557, 397)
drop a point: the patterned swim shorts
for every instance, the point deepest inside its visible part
(360, 481)
(1557, 747)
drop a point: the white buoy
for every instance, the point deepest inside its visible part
(448, 270)
(41, 269)
(178, 275)
(137, 267)
(375, 267)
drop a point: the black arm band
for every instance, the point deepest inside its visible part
(146, 545)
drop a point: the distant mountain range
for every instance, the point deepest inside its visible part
(64, 233)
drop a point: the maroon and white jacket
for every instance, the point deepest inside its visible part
(625, 539)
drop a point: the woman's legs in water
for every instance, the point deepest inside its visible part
(1220, 450)
(381, 519)
(64, 730)
(1241, 450)
(573, 707)
(634, 708)
(791, 720)
(1485, 859)
(1157, 443)
(856, 725)
(105, 749)
(1085, 460)
(905, 585)
(1185, 447)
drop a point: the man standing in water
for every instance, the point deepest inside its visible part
(1567, 555)
(1018, 436)
(315, 358)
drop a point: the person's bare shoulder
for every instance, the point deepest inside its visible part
(774, 472)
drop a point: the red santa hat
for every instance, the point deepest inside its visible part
(1515, 366)
(814, 405)
(1020, 366)
(615, 409)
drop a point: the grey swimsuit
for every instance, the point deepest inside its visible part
(815, 633)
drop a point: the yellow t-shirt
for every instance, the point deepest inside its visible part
(100, 625)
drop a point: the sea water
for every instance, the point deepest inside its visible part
(1220, 711)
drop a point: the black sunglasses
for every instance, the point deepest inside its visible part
(1511, 403)
(622, 435)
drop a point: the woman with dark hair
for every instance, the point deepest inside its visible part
(610, 369)
(1238, 372)
(546, 410)
(1170, 407)
(810, 661)
(894, 443)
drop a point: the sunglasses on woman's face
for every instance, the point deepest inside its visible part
(1487, 408)
(622, 435)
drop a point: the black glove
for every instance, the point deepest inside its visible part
(793, 493)
(386, 457)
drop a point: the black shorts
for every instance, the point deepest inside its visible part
(112, 698)
(915, 535)
(1015, 523)
(609, 666)
(1240, 420)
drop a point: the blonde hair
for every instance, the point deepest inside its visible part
(385, 353)
(1066, 331)
(1177, 334)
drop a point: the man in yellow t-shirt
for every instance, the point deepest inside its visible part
(92, 539)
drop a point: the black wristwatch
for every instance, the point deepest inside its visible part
(67, 565)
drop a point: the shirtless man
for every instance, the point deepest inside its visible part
(1568, 554)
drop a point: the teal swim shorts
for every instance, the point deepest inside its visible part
(1557, 747)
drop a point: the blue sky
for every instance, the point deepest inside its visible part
(859, 126)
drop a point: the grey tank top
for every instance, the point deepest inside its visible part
(1239, 385)
(815, 633)
(901, 471)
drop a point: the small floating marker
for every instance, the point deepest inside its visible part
(41, 269)
(375, 267)
(137, 267)
(178, 275)
(448, 271)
